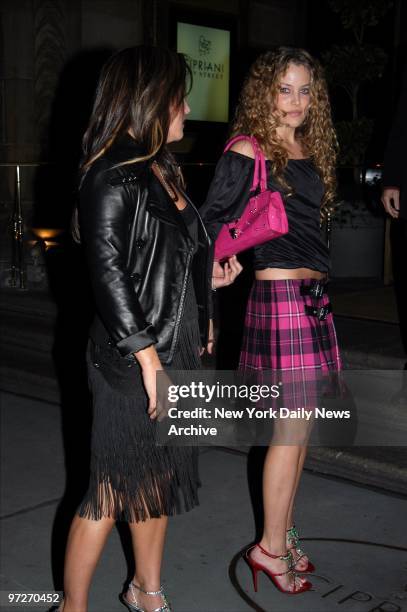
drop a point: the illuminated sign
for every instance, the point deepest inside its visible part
(208, 54)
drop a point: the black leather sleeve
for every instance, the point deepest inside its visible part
(105, 214)
(227, 197)
(228, 193)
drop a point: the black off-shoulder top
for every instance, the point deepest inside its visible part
(303, 246)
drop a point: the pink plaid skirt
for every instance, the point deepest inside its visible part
(279, 335)
(285, 345)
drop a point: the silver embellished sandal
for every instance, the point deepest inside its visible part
(133, 605)
(293, 541)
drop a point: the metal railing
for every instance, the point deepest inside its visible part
(18, 273)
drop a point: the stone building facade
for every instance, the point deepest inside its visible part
(51, 51)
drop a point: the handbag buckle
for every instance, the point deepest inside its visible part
(234, 233)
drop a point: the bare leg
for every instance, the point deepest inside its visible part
(148, 539)
(303, 562)
(85, 544)
(279, 481)
(300, 466)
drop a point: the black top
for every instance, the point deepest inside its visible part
(303, 246)
(191, 221)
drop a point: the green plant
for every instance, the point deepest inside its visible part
(354, 137)
(356, 15)
(351, 65)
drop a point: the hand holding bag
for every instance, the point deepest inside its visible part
(264, 217)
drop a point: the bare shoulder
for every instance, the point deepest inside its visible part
(244, 148)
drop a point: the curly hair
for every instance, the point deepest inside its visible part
(254, 116)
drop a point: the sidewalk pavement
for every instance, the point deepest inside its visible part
(355, 535)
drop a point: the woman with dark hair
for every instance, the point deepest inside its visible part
(147, 254)
(288, 327)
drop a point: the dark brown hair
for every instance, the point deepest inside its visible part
(138, 90)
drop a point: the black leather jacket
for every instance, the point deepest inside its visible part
(139, 255)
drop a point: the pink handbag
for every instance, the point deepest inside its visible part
(264, 217)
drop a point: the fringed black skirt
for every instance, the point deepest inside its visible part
(131, 478)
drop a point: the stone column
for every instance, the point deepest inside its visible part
(50, 53)
(17, 82)
(155, 19)
(112, 23)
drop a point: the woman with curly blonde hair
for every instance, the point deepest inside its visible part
(288, 327)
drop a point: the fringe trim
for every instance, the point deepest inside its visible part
(132, 478)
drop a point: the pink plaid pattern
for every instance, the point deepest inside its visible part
(278, 335)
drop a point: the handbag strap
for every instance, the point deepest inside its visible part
(259, 161)
(263, 171)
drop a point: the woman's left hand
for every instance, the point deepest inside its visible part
(222, 276)
(210, 347)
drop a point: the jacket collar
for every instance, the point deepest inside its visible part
(162, 206)
(125, 148)
(159, 202)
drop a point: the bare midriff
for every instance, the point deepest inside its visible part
(288, 274)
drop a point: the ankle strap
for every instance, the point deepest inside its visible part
(287, 557)
(159, 592)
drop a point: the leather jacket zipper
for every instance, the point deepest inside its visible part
(181, 309)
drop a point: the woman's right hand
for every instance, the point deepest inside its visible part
(222, 276)
(391, 201)
(150, 364)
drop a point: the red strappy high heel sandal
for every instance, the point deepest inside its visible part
(293, 540)
(256, 567)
